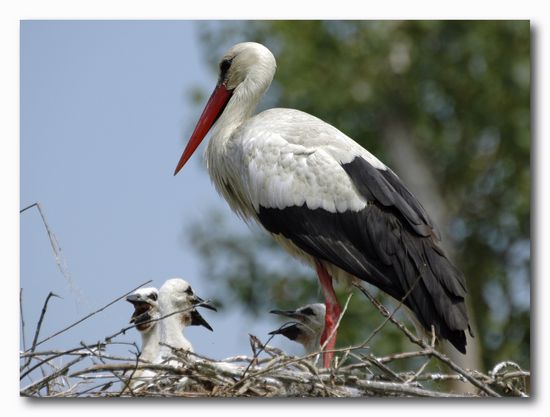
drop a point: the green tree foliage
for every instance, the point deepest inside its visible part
(461, 91)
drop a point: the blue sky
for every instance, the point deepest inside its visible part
(105, 114)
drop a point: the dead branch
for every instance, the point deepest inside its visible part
(90, 315)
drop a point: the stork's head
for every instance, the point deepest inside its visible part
(176, 295)
(306, 323)
(245, 73)
(146, 308)
(248, 61)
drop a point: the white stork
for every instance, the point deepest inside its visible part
(306, 326)
(177, 303)
(324, 198)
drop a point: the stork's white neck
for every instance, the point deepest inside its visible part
(239, 109)
(217, 155)
(171, 333)
(150, 343)
(313, 345)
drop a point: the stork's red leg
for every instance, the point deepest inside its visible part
(332, 314)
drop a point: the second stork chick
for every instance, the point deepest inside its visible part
(177, 303)
(305, 327)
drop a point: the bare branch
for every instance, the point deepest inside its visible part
(21, 316)
(39, 326)
(91, 314)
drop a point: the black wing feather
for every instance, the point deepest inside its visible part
(386, 189)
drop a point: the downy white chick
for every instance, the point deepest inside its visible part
(177, 303)
(306, 326)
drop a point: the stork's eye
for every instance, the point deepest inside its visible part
(224, 66)
(189, 291)
(153, 296)
(307, 311)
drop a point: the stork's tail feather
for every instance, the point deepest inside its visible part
(440, 289)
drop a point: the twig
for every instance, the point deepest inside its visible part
(91, 314)
(386, 388)
(256, 354)
(58, 255)
(388, 316)
(372, 359)
(111, 367)
(440, 377)
(39, 326)
(22, 318)
(403, 355)
(421, 369)
(324, 345)
(126, 385)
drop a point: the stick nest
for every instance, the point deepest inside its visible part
(93, 371)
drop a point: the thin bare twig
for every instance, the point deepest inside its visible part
(91, 314)
(324, 345)
(58, 254)
(403, 355)
(389, 316)
(21, 316)
(39, 326)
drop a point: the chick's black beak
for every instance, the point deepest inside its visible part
(198, 320)
(290, 331)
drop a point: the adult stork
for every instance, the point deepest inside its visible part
(325, 199)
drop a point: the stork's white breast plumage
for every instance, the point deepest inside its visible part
(325, 198)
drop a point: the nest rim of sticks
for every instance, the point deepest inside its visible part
(356, 372)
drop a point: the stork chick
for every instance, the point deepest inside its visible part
(306, 327)
(146, 308)
(177, 303)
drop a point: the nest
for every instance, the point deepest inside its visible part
(93, 371)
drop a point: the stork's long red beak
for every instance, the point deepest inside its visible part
(216, 103)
